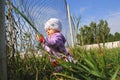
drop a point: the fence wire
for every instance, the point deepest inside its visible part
(19, 34)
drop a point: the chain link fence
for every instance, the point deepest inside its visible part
(20, 34)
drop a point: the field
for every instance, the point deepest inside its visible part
(91, 64)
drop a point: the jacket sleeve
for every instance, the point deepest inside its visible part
(55, 40)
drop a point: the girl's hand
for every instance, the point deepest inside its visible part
(40, 38)
(37, 37)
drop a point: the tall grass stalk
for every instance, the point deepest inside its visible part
(23, 16)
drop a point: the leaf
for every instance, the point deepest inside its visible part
(89, 63)
(115, 74)
(59, 74)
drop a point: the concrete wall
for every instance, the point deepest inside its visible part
(108, 45)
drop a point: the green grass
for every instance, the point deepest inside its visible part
(91, 65)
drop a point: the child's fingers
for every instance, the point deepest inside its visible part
(37, 36)
(40, 35)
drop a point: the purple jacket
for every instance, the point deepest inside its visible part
(55, 44)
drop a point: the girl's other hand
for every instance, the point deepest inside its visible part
(40, 38)
(37, 37)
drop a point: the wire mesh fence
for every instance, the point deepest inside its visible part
(20, 34)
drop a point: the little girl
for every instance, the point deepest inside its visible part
(55, 42)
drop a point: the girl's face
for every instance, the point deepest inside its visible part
(51, 31)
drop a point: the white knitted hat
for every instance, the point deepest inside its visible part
(53, 23)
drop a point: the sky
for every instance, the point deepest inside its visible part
(95, 10)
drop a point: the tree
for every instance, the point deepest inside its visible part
(94, 33)
(80, 36)
(117, 36)
(111, 37)
(103, 31)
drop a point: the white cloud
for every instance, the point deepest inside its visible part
(82, 9)
(114, 22)
(87, 20)
(114, 14)
(79, 11)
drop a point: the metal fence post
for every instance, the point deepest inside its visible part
(3, 62)
(70, 23)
